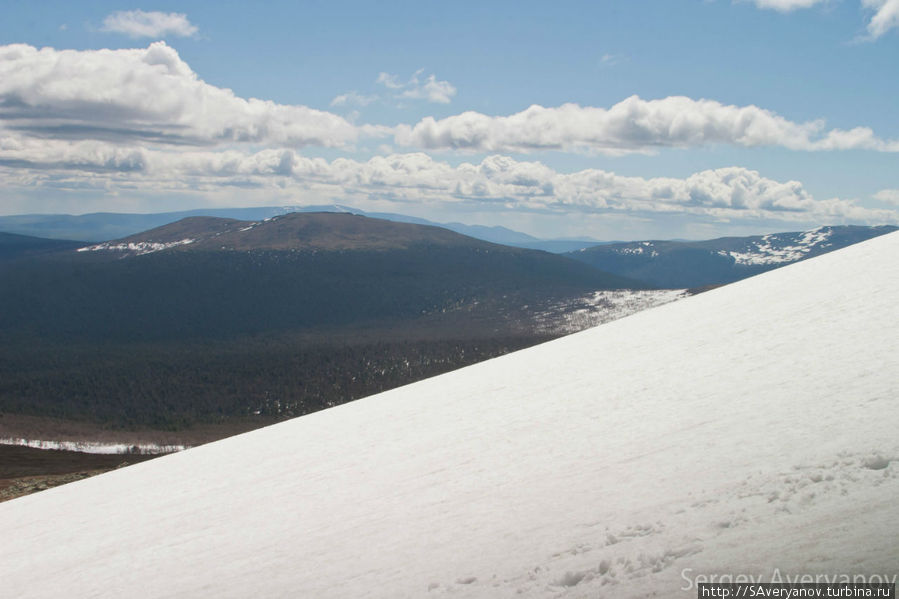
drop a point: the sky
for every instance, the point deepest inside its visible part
(603, 120)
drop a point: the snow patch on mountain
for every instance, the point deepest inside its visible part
(136, 248)
(643, 248)
(254, 224)
(774, 249)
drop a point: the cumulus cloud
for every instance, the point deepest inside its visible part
(150, 95)
(145, 94)
(633, 125)
(786, 5)
(137, 23)
(83, 155)
(886, 16)
(431, 89)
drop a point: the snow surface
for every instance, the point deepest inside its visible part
(749, 430)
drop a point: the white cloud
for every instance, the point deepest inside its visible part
(146, 94)
(389, 81)
(786, 5)
(889, 196)
(886, 16)
(610, 60)
(149, 95)
(140, 121)
(432, 89)
(137, 23)
(353, 98)
(632, 125)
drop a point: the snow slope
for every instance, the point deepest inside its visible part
(750, 430)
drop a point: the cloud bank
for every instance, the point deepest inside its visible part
(497, 182)
(633, 125)
(150, 95)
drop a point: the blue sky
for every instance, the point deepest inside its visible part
(593, 119)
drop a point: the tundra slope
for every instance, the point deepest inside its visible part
(748, 430)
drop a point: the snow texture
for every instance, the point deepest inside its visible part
(746, 431)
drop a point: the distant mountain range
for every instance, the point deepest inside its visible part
(318, 231)
(686, 264)
(104, 226)
(657, 263)
(214, 276)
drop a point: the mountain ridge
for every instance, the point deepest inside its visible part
(688, 264)
(305, 231)
(104, 226)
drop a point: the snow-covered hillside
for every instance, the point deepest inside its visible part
(781, 248)
(750, 430)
